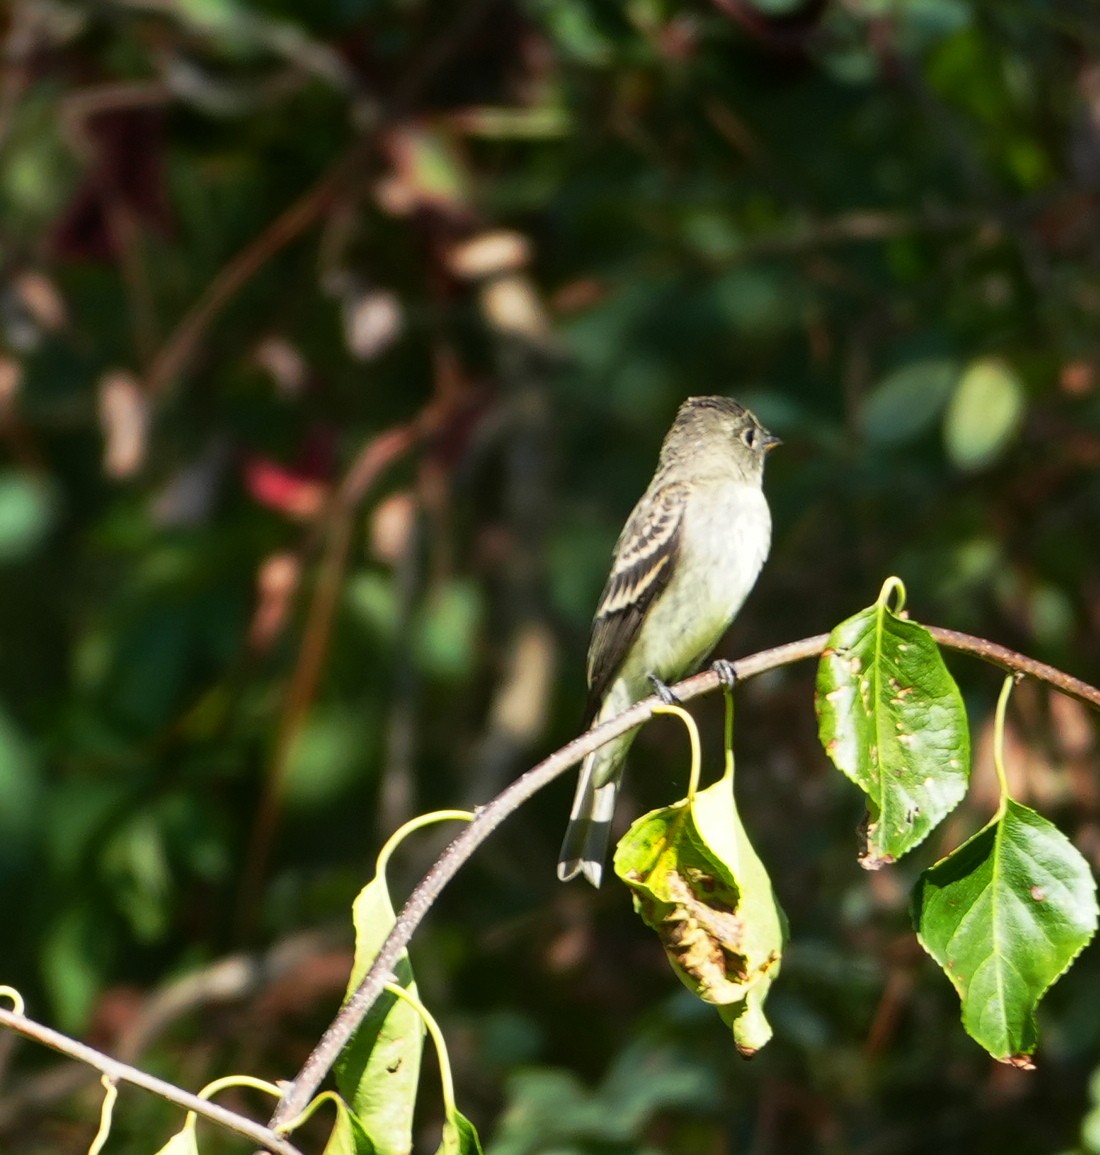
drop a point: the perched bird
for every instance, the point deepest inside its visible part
(682, 567)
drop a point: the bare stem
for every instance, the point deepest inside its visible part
(120, 1072)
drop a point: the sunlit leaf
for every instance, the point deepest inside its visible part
(1004, 915)
(379, 1069)
(984, 414)
(891, 718)
(459, 1137)
(183, 1142)
(698, 882)
(348, 1135)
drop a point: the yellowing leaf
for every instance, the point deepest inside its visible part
(379, 1069)
(698, 882)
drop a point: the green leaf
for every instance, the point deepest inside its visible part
(907, 401)
(553, 1110)
(348, 1136)
(459, 1137)
(379, 1069)
(984, 414)
(698, 882)
(183, 1142)
(446, 634)
(1004, 915)
(892, 719)
(26, 514)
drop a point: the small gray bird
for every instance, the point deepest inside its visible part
(683, 565)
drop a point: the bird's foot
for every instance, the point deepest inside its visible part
(662, 691)
(726, 671)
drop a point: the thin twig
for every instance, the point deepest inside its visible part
(490, 816)
(175, 353)
(227, 980)
(124, 1073)
(373, 460)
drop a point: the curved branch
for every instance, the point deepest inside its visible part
(1015, 663)
(121, 1072)
(493, 813)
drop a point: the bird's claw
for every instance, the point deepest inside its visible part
(726, 671)
(662, 691)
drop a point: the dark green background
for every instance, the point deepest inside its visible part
(833, 212)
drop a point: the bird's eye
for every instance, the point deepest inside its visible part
(749, 437)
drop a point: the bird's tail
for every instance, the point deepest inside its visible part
(584, 848)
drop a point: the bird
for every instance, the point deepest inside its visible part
(681, 569)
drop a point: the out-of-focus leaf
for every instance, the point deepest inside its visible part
(327, 754)
(513, 123)
(1090, 1125)
(135, 862)
(1005, 915)
(575, 31)
(26, 514)
(447, 632)
(548, 1107)
(72, 964)
(756, 300)
(777, 7)
(892, 719)
(33, 177)
(428, 170)
(984, 414)
(372, 600)
(906, 402)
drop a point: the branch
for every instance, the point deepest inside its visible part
(120, 1072)
(1015, 663)
(491, 815)
(230, 979)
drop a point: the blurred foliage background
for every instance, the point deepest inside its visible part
(336, 342)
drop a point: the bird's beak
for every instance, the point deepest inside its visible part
(770, 442)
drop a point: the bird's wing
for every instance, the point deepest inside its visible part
(645, 557)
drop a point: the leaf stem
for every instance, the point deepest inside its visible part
(106, 1113)
(728, 737)
(446, 1079)
(18, 1006)
(891, 586)
(414, 824)
(693, 738)
(999, 740)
